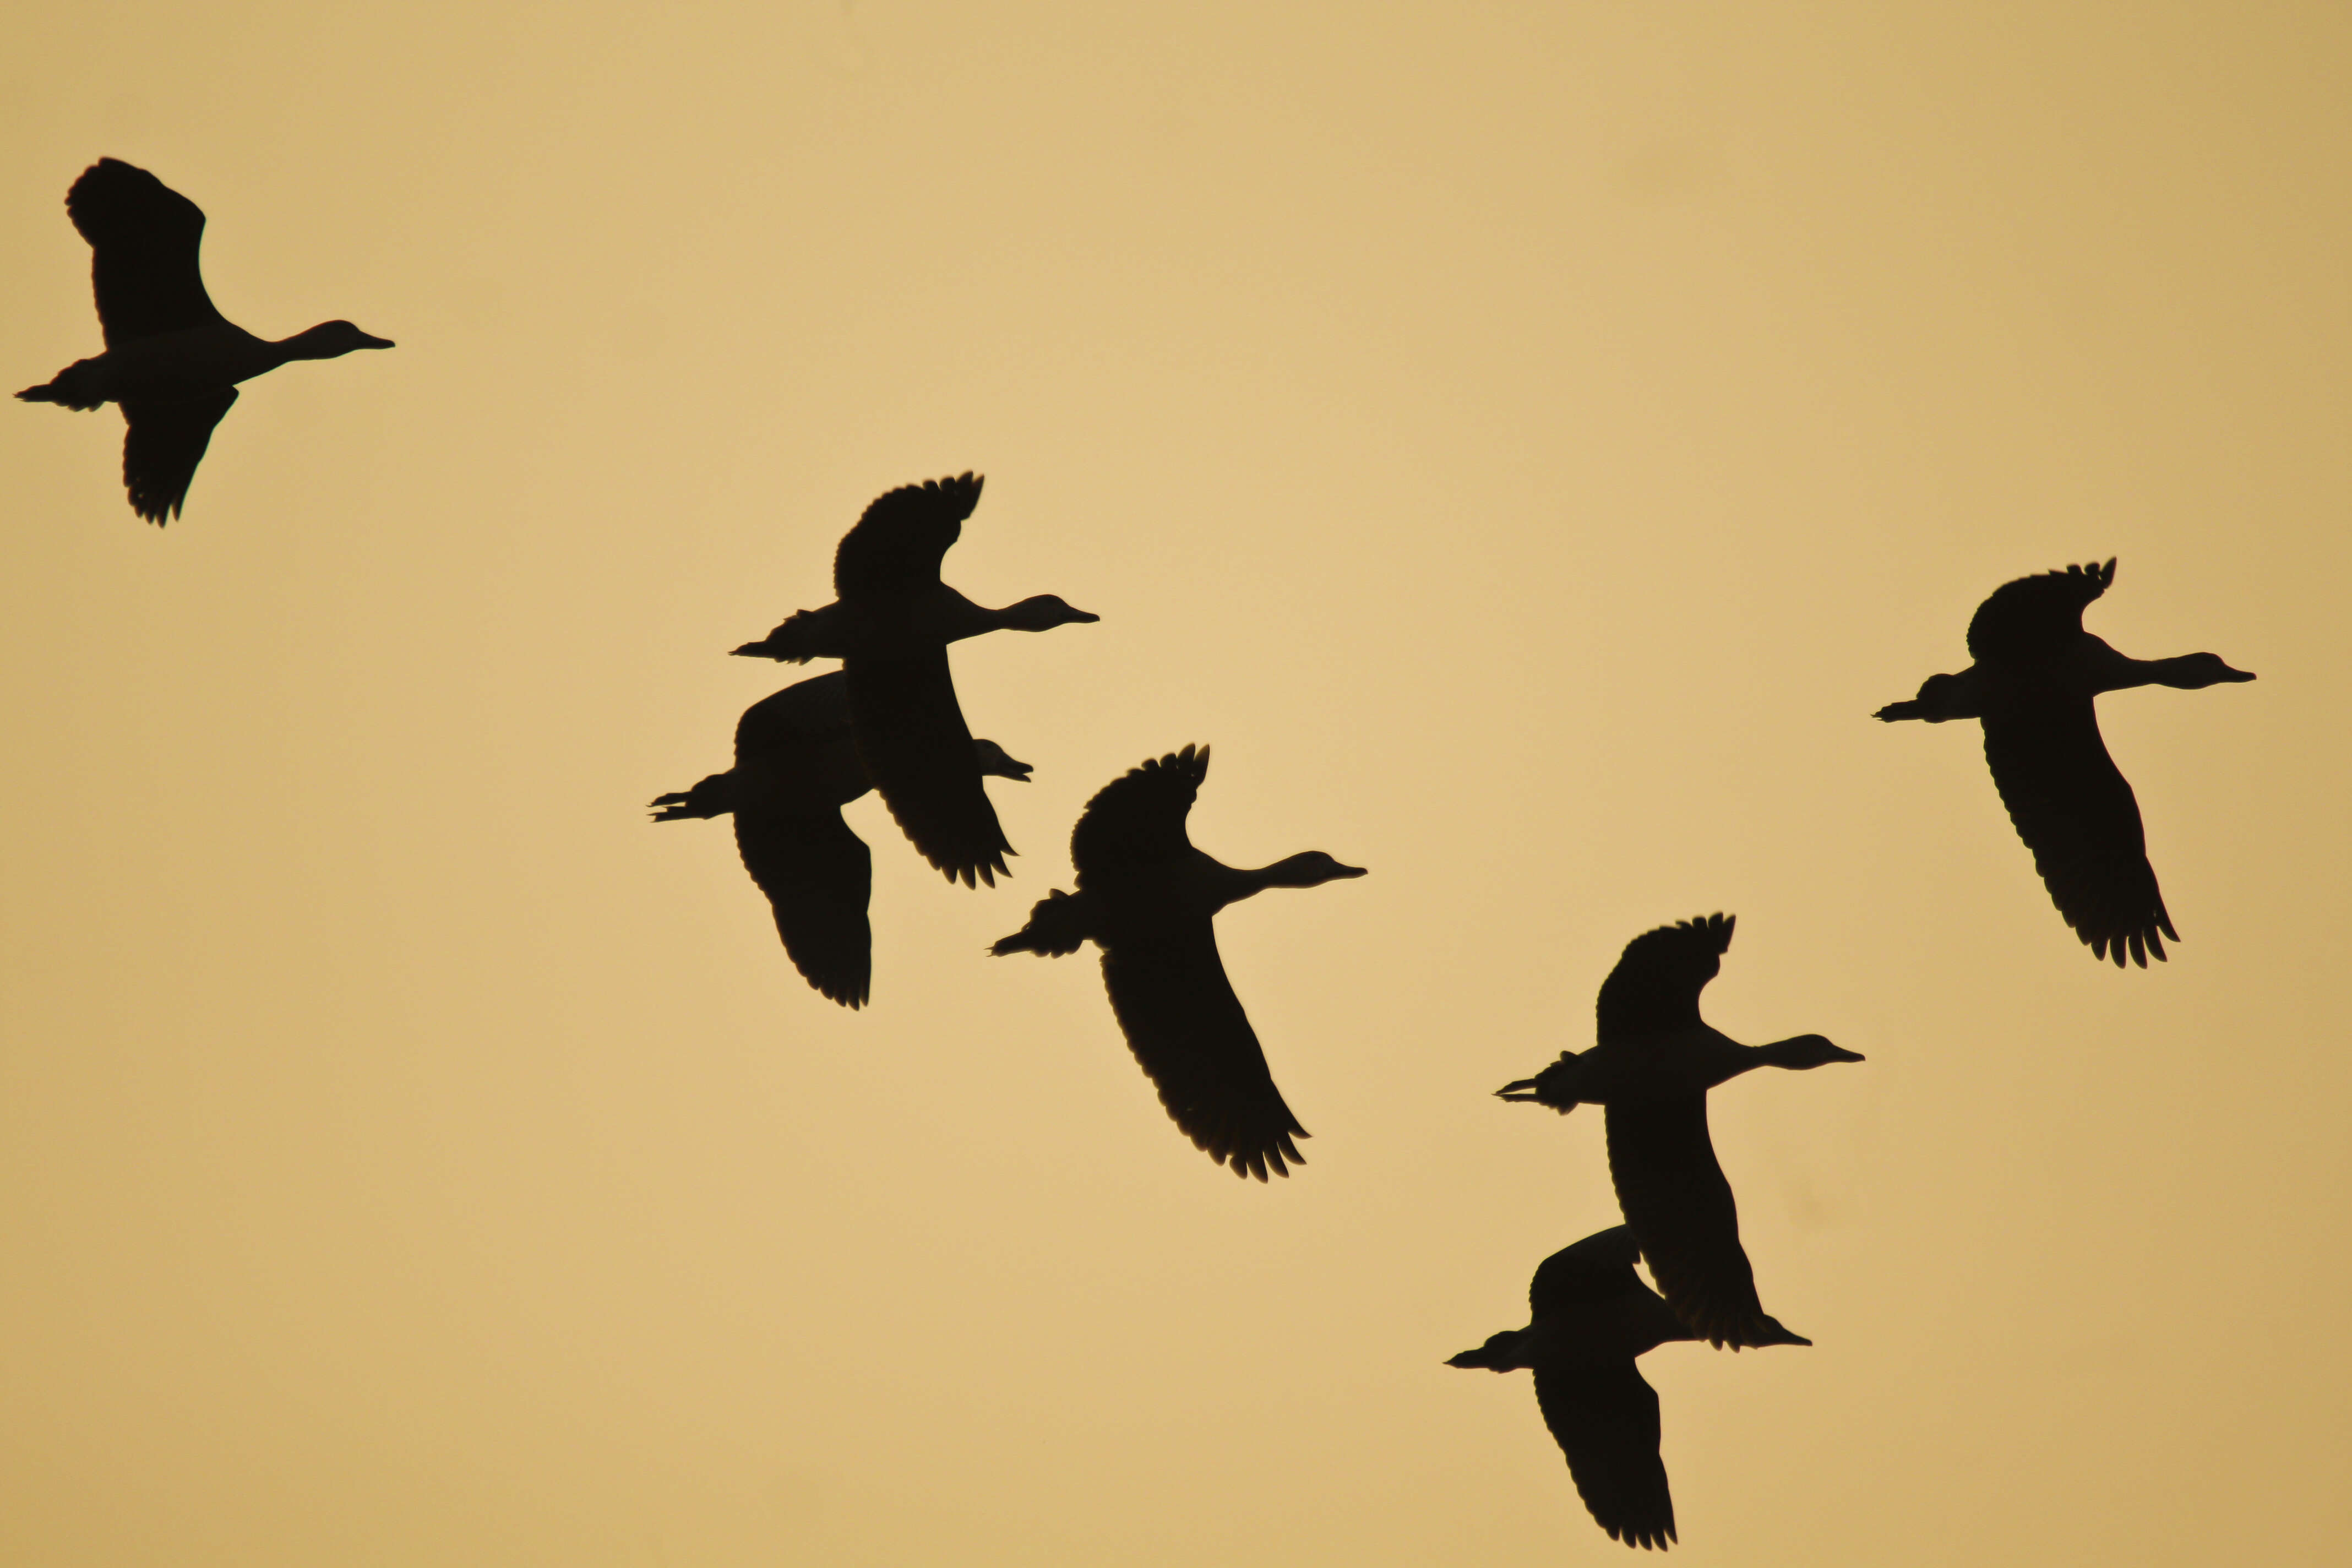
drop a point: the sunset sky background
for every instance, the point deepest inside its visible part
(1526, 442)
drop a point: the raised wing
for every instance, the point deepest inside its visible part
(1681, 1210)
(143, 237)
(1654, 988)
(1187, 1028)
(818, 877)
(917, 750)
(1605, 1419)
(804, 714)
(1137, 820)
(2074, 809)
(897, 546)
(2036, 617)
(1597, 1268)
(164, 441)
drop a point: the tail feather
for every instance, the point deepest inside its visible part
(1893, 710)
(714, 796)
(1550, 1086)
(803, 635)
(1058, 926)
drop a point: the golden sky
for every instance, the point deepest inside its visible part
(1525, 442)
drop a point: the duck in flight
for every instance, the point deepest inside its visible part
(890, 626)
(1149, 899)
(171, 361)
(2032, 686)
(1655, 1060)
(795, 768)
(1591, 1316)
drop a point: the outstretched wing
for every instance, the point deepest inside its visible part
(1605, 1419)
(143, 237)
(896, 544)
(1654, 988)
(2036, 617)
(1137, 818)
(1187, 1028)
(164, 441)
(818, 877)
(1597, 1268)
(1681, 1210)
(917, 750)
(2074, 810)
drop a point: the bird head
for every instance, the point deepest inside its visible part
(1042, 614)
(994, 760)
(333, 340)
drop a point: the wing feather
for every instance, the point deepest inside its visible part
(818, 877)
(162, 442)
(2036, 617)
(143, 240)
(1680, 1208)
(897, 545)
(917, 750)
(1605, 1419)
(1655, 986)
(1137, 820)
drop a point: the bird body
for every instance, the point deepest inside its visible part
(1589, 1316)
(1148, 898)
(2033, 687)
(1654, 1061)
(796, 765)
(171, 361)
(890, 626)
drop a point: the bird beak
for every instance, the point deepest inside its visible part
(1846, 1056)
(1023, 776)
(1087, 618)
(2237, 675)
(368, 342)
(1355, 871)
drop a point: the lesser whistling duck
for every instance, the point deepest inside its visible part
(1149, 899)
(890, 626)
(795, 768)
(1655, 1060)
(2035, 674)
(171, 361)
(1589, 1316)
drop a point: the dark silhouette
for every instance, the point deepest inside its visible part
(795, 768)
(1652, 1067)
(1591, 1316)
(891, 627)
(2035, 674)
(171, 361)
(1148, 899)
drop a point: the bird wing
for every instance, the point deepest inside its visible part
(2074, 810)
(1680, 1208)
(164, 441)
(1188, 1030)
(1137, 818)
(818, 875)
(917, 750)
(1597, 1268)
(144, 237)
(1654, 988)
(2036, 617)
(804, 712)
(898, 543)
(1605, 1419)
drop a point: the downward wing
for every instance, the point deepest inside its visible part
(1605, 1419)
(2075, 811)
(1681, 1210)
(164, 442)
(918, 753)
(818, 877)
(143, 237)
(1188, 1030)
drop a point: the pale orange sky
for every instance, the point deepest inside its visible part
(1527, 444)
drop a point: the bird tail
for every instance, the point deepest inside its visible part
(1057, 925)
(66, 388)
(1893, 710)
(1547, 1088)
(714, 796)
(798, 641)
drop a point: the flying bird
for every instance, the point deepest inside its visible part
(171, 361)
(795, 768)
(1651, 1068)
(1591, 1316)
(2035, 674)
(1150, 900)
(890, 626)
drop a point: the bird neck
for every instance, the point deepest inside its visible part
(2188, 673)
(1795, 1052)
(309, 344)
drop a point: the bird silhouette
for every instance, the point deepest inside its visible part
(2035, 674)
(1655, 1060)
(1589, 1316)
(171, 361)
(890, 624)
(795, 767)
(1149, 899)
